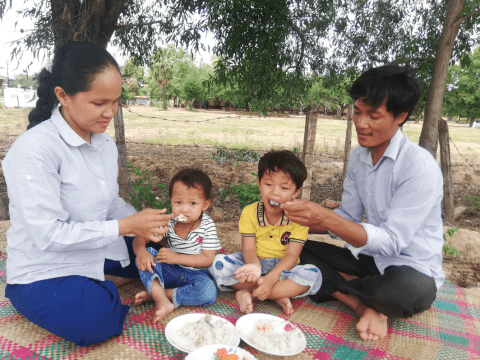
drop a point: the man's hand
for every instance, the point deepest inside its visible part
(264, 288)
(303, 212)
(166, 256)
(145, 261)
(248, 273)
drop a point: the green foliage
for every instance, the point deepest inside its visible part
(25, 81)
(463, 96)
(246, 193)
(448, 249)
(472, 200)
(296, 151)
(143, 196)
(236, 154)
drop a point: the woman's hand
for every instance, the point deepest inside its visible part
(150, 224)
(248, 273)
(166, 256)
(145, 261)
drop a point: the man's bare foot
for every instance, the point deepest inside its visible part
(286, 305)
(244, 300)
(142, 297)
(162, 310)
(372, 325)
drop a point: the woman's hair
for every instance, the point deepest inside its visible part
(74, 68)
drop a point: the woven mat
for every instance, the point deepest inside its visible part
(449, 330)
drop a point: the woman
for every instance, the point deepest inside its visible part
(66, 215)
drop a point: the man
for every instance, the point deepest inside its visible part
(391, 265)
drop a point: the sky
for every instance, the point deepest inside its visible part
(9, 32)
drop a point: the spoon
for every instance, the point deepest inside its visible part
(180, 218)
(273, 203)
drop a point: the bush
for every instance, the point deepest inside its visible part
(246, 193)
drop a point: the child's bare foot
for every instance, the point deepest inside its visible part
(162, 310)
(142, 297)
(286, 305)
(244, 300)
(372, 325)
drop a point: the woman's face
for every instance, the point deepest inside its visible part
(91, 111)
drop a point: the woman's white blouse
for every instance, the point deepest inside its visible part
(64, 204)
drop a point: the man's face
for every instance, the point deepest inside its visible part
(375, 126)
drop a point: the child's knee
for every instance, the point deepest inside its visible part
(210, 293)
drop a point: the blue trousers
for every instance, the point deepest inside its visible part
(190, 287)
(76, 308)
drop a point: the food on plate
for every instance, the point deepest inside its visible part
(263, 336)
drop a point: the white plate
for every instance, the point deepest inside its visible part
(174, 325)
(246, 324)
(208, 352)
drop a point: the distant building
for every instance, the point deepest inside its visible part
(3, 79)
(141, 100)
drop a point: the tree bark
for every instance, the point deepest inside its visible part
(164, 99)
(472, 120)
(309, 147)
(348, 141)
(433, 111)
(447, 205)
(123, 175)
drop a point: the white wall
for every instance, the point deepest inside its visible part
(18, 97)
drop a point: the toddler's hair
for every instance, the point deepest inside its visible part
(193, 178)
(285, 161)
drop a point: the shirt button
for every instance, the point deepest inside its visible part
(102, 182)
(29, 177)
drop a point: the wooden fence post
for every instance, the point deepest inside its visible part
(348, 140)
(309, 147)
(448, 210)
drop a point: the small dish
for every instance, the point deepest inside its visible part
(213, 352)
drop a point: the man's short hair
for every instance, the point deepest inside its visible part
(285, 161)
(395, 83)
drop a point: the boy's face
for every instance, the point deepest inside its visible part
(375, 126)
(277, 186)
(190, 202)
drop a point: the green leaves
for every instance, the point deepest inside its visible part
(143, 196)
(246, 193)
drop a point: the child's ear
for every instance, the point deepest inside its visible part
(296, 193)
(207, 204)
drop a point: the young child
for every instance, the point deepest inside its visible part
(177, 274)
(267, 267)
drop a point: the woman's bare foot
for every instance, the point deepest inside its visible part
(286, 305)
(162, 310)
(142, 297)
(244, 300)
(372, 325)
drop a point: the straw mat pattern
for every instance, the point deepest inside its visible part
(449, 330)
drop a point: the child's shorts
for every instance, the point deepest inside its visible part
(224, 267)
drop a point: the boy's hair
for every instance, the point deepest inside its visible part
(392, 82)
(285, 161)
(193, 178)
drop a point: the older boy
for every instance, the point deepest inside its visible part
(267, 267)
(391, 265)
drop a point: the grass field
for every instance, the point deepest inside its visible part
(220, 128)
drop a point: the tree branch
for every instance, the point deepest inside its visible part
(123, 26)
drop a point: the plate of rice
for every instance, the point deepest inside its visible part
(220, 351)
(271, 334)
(192, 331)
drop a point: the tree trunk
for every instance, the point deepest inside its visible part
(78, 20)
(123, 175)
(472, 120)
(309, 147)
(447, 205)
(433, 111)
(348, 140)
(164, 99)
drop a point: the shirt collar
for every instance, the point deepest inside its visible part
(70, 136)
(391, 151)
(261, 217)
